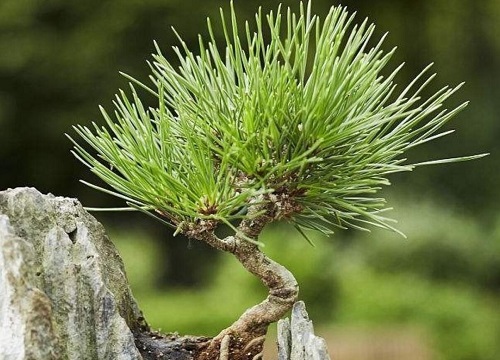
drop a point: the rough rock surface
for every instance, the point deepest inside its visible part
(64, 293)
(296, 339)
(63, 289)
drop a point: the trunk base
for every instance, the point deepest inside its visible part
(228, 346)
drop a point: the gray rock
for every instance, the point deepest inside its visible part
(64, 293)
(296, 339)
(63, 289)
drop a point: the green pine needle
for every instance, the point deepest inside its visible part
(307, 115)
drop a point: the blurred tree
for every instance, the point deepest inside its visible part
(456, 250)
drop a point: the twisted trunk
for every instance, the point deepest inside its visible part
(245, 337)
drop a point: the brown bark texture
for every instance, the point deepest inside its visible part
(244, 339)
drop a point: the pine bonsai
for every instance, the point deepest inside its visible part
(303, 127)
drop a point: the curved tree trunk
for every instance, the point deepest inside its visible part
(244, 339)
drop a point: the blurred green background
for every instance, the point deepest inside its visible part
(373, 296)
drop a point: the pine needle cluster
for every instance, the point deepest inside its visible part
(293, 111)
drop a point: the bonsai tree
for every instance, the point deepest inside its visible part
(293, 119)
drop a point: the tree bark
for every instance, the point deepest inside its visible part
(244, 339)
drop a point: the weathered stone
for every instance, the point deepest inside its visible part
(64, 293)
(63, 289)
(296, 339)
